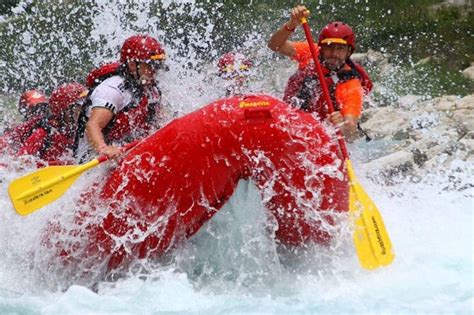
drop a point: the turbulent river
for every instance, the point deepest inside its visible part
(233, 265)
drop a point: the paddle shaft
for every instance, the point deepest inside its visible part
(324, 86)
(78, 170)
(125, 148)
(373, 245)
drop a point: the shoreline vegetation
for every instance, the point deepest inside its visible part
(439, 32)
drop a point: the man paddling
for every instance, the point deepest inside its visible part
(347, 81)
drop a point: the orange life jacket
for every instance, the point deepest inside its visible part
(303, 88)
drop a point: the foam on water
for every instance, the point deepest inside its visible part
(233, 265)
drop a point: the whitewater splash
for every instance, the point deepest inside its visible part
(233, 264)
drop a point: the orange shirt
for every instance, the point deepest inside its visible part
(348, 93)
(303, 53)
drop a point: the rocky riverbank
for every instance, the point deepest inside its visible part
(427, 135)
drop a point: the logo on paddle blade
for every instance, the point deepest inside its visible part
(35, 180)
(38, 196)
(379, 236)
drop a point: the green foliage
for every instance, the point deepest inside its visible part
(437, 80)
(50, 41)
(429, 79)
(7, 5)
(410, 30)
(45, 45)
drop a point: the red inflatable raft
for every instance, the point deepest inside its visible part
(174, 181)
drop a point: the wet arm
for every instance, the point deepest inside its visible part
(99, 118)
(349, 128)
(279, 40)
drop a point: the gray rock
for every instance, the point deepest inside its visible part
(469, 72)
(445, 103)
(468, 145)
(386, 122)
(464, 119)
(426, 135)
(395, 163)
(423, 61)
(361, 58)
(467, 102)
(409, 101)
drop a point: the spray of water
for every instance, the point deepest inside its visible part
(235, 254)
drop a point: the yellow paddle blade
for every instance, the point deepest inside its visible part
(371, 239)
(36, 190)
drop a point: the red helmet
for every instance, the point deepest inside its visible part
(233, 62)
(141, 48)
(337, 32)
(65, 96)
(31, 100)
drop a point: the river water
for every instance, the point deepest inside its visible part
(232, 266)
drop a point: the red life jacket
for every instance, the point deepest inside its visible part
(133, 122)
(57, 146)
(97, 75)
(14, 137)
(47, 143)
(303, 90)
